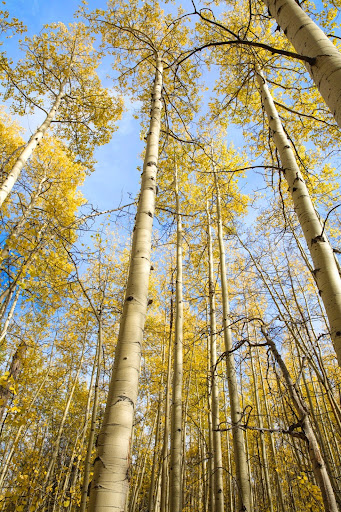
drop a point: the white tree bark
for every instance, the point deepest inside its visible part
(175, 469)
(242, 474)
(87, 462)
(310, 41)
(35, 139)
(218, 490)
(325, 269)
(112, 464)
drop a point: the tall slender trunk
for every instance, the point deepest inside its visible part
(310, 41)
(211, 475)
(242, 476)
(7, 389)
(165, 450)
(318, 464)
(229, 483)
(153, 489)
(54, 454)
(143, 458)
(272, 444)
(6, 461)
(325, 269)
(175, 476)
(265, 464)
(112, 465)
(87, 463)
(10, 314)
(34, 141)
(17, 229)
(217, 454)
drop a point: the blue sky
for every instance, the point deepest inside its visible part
(116, 176)
(116, 179)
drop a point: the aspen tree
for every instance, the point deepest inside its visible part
(309, 40)
(6, 462)
(265, 463)
(218, 490)
(272, 444)
(175, 469)
(91, 438)
(165, 450)
(9, 379)
(112, 465)
(60, 69)
(326, 272)
(152, 494)
(308, 434)
(56, 444)
(243, 483)
(33, 142)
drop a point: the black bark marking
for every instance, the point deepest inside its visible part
(122, 398)
(318, 239)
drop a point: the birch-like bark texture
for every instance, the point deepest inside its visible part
(112, 464)
(33, 142)
(309, 40)
(325, 269)
(165, 450)
(218, 490)
(242, 474)
(175, 470)
(318, 464)
(87, 462)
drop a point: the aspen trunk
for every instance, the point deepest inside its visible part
(265, 464)
(165, 450)
(153, 490)
(175, 475)
(13, 373)
(87, 463)
(210, 494)
(217, 454)
(322, 435)
(325, 269)
(55, 449)
(6, 462)
(272, 444)
(318, 464)
(242, 476)
(10, 314)
(34, 141)
(112, 465)
(229, 485)
(143, 457)
(17, 229)
(310, 41)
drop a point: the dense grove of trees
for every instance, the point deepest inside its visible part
(181, 353)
